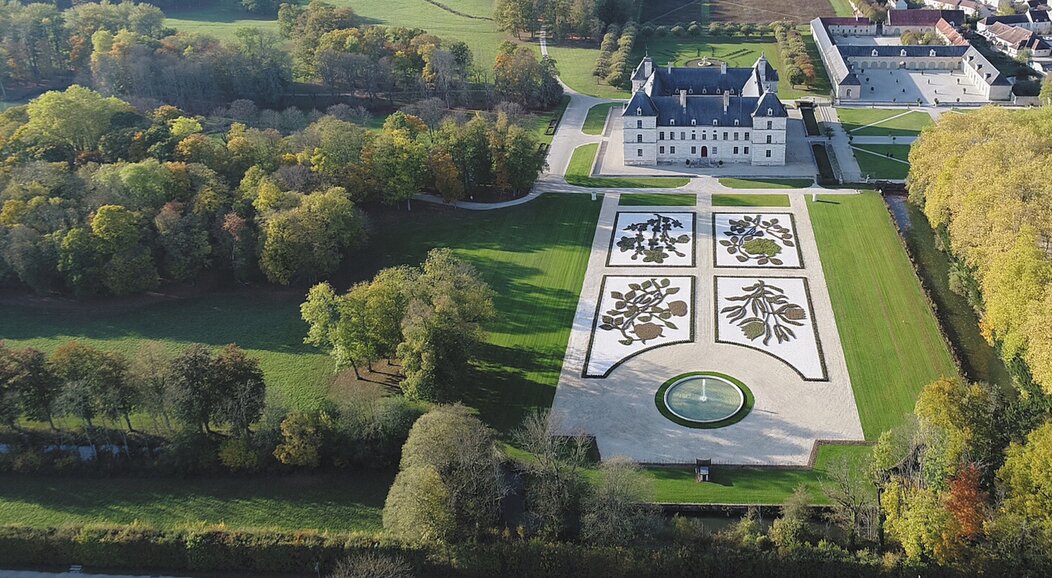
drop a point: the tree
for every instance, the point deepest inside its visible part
(399, 165)
(194, 394)
(149, 375)
(35, 384)
(303, 435)
(967, 502)
(555, 487)
(1027, 480)
(463, 452)
(372, 565)
(441, 326)
(76, 117)
(93, 383)
(185, 241)
(242, 388)
(417, 508)
(310, 239)
(853, 498)
(618, 513)
(791, 530)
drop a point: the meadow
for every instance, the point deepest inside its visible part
(883, 161)
(882, 122)
(890, 336)
(578, 173)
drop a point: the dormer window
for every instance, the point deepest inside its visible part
(715, 122)
(672, 122)
(735, 122)
(931, 52)
(770, 112)
(639, 111)
(902, 52)
(690, 90)
(874, 53)
(693, 122)
(704, 90)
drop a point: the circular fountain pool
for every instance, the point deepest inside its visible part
(704, 400)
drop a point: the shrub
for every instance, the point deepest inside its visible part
(678, 31)
(238, 454)
(694, 30)
(661, 30)
(189, 452)
(372, 565)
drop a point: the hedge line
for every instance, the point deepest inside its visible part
(218, 550)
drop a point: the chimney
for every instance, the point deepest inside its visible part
(648, 67)
(668, 68)
(726, 100)
(723, 67)
(683, 98)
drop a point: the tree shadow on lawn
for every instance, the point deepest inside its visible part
(508, 382)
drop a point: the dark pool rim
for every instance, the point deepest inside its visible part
(659, 400)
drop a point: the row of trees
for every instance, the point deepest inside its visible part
(562, 18)
(429, 318)
(614, 63)
(995, 219)
(199, 388)
(97, 198)
(797, 62)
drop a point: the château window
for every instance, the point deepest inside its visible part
(713, 151)
(639, 138)
(661, 150)
(639, 111)
(770, 111)
(735, 122)
(724, 135)
(693, 122)
(735, 135)
(671, 135)
(770, 125)
(767, 153)
(746, 135)
(671, 150)
(768, 139)
(715, 122)
(639, 152)
(672, 122)
(661, 135)
(735, 150)
(693, 150)
(682, 135)
(746, 150)
(639, 124)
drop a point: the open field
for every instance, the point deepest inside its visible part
(885, 122)
(842, 7)
(658, 200)
(980, 359)
(747, 200)
(736, 52)
(874, 160)
(751, 485)
(480, 33)
(575, 62)
(581, 165)
(891, 339)
(670, 12)
(766, 183)
(265, 322)
(764, 12)
(334, 503)
(596, 119)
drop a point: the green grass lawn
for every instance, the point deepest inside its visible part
(540, 120)
(876, 163)
(578, 173)
(891, 339)
(575, 63)
(842, 7)
(886, 122)
(658, 200)
(334, 503)
(266, 323)
(534, 257)
(981, 360)
(737, 52)
(596, 119)
(750, 485)
(767, 183)
(750, 200)
(481, 35)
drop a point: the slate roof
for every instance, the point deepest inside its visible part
(923, 17)
(770, 101)
(698, 80)
(1013, 19)
(856, 51)
(640, 101)
(851, 80)
(704, 109)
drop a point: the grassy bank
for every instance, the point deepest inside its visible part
(579, 173)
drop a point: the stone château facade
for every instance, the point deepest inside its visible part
(704, 116)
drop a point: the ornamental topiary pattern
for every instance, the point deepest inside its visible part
(642, 313)
(753, 238)
(765, 312)
(652, 240)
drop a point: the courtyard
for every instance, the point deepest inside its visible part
(736, 293)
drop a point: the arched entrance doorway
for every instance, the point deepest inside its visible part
(704, 151)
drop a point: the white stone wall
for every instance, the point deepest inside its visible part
(638, 139)
(719, 144)
(760, 146)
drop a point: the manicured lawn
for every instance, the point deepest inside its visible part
(596, 119)
(767, 183)
(333, 503)
(220, 21)
(534, 257)
(981, 361)
(842, 7)
(736, 52)
(750, 485)
(541, 120)
(575, 63)
(891, 339)
(658, 200)
(578, 173)
(874, 161)
(745, 200)
(265, 322)
(886, 122)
